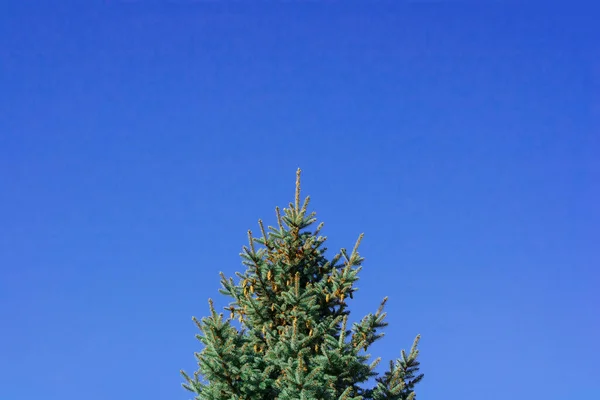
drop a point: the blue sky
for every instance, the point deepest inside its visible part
(140, 140)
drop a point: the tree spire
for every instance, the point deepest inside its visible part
(298, 173)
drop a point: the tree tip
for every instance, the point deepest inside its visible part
(298, 172)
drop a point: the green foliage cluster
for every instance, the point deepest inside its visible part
(293, 341)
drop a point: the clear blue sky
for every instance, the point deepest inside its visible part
(140, 140)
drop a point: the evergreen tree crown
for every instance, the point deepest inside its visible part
(293, 341)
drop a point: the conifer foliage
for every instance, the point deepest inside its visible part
(292, 340)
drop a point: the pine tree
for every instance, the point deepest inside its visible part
(291, 340)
